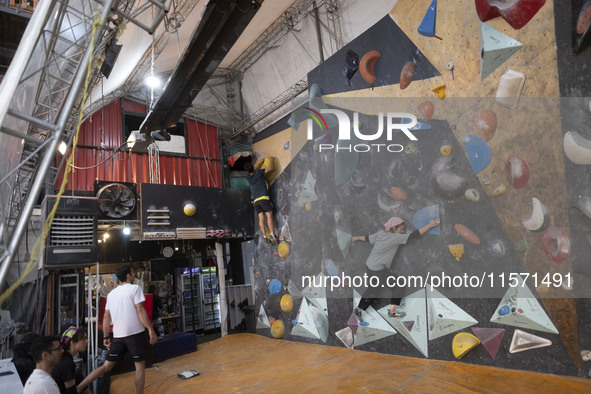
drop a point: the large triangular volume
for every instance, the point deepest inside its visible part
(427, 26)
(413, 326)
(519, 308)
(305, 325)
(444, 316)
(307, 194)
(317, 294)
(495, 49)
(373, 326)
(262, 319)
(490, 338)
(524, 341)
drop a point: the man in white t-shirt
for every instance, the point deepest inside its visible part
(125, 309)
(47, 353)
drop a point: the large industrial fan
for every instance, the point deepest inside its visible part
(116, 201)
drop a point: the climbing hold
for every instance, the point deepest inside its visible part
(351, 65)
(478, 151)
(467, 234)
(274, 286)
(520, 246)
(367, 64)
(427, 26)
(510, 87)
(584, 204)
(495, 49)
(278, 329)
(457, 250)
(286, 303)
(308, 206)
(410, 149)
(498, 248)
(190, 209)
(517, 171)
(524, 341)
(517, 13)
(472, 195)
(387, 203)
(586, 355)
(583, 29)
(446, 182)
(286, 145)
(504, 310)
(439, 91)
(423, 216)
(539, 218)
(398, 193)
(427, 108)
(486, 121)
(499, 190)
(462, 343)
(407, 75)
(283, 249)
(445, 150)
(577, 148)
(556, 244)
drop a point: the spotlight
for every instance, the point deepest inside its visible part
(62, 148)
(153, 81)
(105, 236)
(126, 230)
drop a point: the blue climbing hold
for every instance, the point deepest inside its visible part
(504, 310)
(427, 26)
(421, 218)
(274, 286)
(478, 152)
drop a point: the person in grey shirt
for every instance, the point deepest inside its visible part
(385, 246)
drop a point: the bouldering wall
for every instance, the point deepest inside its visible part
(493, 169)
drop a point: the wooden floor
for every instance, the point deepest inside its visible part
(253, 363)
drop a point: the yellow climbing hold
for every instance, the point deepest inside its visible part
(439, 91)
(308, 206)
(463, 342)
(283, 249)
(457, 251)
(286, 303)
(445, 150)
(278, 329)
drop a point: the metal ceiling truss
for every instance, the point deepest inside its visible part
(270, 38)
(51, 63)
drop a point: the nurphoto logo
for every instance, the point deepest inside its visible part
(394, 121)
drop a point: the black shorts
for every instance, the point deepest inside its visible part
(263, 206)
(135, 344)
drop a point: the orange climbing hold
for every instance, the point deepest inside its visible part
(366, 66)
(467, 234)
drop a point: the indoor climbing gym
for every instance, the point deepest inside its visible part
(295, 195)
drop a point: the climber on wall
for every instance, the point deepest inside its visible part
(260, 197)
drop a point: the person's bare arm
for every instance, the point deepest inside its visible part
(107, 329)
(432, 223)
(143, 316)
(358, 238)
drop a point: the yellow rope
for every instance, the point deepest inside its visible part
(39, 247)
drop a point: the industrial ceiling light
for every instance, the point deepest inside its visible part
(62, 148)
(153, 81)
(126, 229)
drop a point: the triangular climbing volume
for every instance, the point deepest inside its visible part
(495, 49)
(373, 326)
(444, 316)
(262, 319)
(490, 338)
(305, 326)
(519, 308)
(525, 341)
(413, 326)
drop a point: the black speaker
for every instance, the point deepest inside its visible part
(72, 239)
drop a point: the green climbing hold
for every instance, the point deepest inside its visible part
(520, 246)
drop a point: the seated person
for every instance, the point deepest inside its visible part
(73, 341)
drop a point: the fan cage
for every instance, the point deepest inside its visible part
(72, 231)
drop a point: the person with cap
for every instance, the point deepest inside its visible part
(385, 246)
(74, 340)
(260, 197)
(47, 353)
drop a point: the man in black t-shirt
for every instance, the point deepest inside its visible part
(259, 193)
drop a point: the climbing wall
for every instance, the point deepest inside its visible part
(493, 169)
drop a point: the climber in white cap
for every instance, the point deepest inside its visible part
(385, 245)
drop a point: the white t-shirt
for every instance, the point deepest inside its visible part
(121, 303)
(40, 382)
